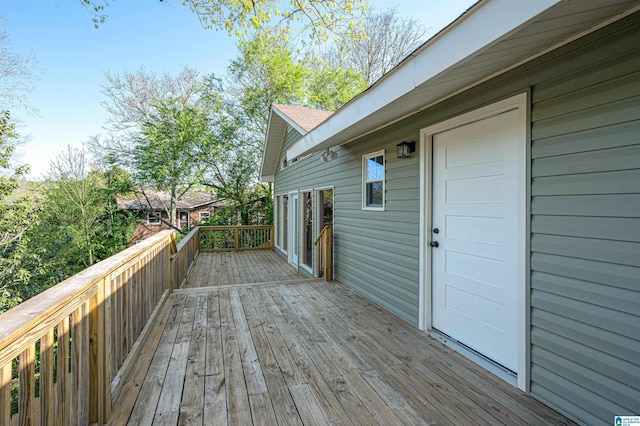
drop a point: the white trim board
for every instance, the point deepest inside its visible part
(519, 103)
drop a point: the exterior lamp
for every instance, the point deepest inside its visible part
(405, 149)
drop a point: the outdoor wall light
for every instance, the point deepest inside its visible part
(405, 149)
(328, 155)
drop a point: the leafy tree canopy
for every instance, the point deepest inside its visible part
(320, 19)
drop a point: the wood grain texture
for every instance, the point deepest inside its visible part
(314, 353)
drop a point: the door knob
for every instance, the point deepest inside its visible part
(434, 244)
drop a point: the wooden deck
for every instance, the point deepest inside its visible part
(306, 352)
(227, 268)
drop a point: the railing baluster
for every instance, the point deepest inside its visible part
(26, 389)
(47, 394)
(82, 331)
(5, 393)
(235, 238)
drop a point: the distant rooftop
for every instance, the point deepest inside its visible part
(160, 200)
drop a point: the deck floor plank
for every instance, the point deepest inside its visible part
(244, 267)
(215, 393)
(147, 401)
(251, 342)
(238, 407)
(283, 407)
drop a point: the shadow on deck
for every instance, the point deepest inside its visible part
(302, 351)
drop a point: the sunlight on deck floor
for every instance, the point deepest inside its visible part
(307, 352)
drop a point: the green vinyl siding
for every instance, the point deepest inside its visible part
(585, 231)
(375, 251)
(583, 287)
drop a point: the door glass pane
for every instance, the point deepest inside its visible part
(307, 237)
(285, 220)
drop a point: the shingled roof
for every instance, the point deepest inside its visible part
(159, 200)
(281, 119)
(306, 118)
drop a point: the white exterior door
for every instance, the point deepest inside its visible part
(294, 229)
(477, 182)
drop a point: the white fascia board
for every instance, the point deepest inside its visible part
(487, 23)
(398, 84)
(483, 25)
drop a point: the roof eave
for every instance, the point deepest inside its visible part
(470, 34)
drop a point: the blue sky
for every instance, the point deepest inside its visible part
(72, 57)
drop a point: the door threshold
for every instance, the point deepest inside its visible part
(488, 364)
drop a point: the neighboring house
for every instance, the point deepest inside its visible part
(512, 232)
(193, 208)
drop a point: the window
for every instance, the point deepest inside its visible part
(373, 181)
(153, 218)
(202, 216)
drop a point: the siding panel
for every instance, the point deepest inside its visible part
(585, 218)
(585, 233)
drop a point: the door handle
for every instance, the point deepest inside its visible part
(434, 244)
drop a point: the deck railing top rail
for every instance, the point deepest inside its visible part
(65, 353)
(236, 238)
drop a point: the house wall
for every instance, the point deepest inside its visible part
(195, 214)
(584, 263)
(585, 230)
(144, 230)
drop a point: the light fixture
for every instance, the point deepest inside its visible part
(405, 149)
(328, 155)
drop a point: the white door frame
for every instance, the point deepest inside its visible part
(518, 102)
(319, 220)
(293, 245)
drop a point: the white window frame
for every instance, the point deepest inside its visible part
(153, 218)
(365, 181)
(207, 214)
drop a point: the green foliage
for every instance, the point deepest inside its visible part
(18, 211)
(329, 87)
(266, 72)
(319, 19)
(171, 152)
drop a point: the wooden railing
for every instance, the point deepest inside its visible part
(65, 353)
(184, 257)
(324, 242)
(235, 238)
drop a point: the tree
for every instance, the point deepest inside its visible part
(18, 213)
(159, 130)
(268, 70)
(74, 203)
(318, 18)
(172, 150)
(390, 38)
(116, 226)
(132, 98)
(16, 73)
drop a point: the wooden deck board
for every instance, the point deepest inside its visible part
(244, 267)
(307, 352)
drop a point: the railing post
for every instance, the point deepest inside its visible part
(169, 267)
(236, 236)
(100, 353)
(329, 255)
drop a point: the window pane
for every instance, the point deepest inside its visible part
(374, 194)
(375, 168)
